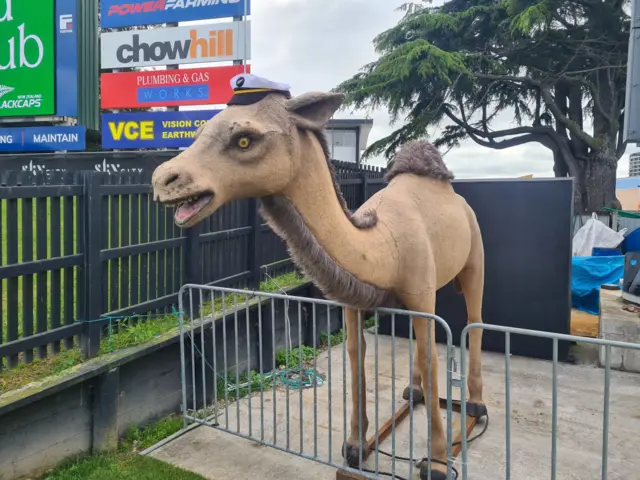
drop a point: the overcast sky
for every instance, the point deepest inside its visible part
(316, 44)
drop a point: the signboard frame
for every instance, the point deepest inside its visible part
(168, 88)
(42, 139)
(31, 81)
(131, 13)
(150, 125)
(176, 45)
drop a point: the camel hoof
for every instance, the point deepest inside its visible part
(477, 410)
(435, 474)
(418, 396)
(351, 453)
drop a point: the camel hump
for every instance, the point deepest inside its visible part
(420, 158)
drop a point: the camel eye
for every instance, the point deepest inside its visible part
(243, 142)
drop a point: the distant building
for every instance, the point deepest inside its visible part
(628, 192)
(348, 138)
(634, 164)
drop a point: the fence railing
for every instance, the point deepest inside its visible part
(275, 369)
(78, 247)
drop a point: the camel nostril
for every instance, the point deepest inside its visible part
(171, 179)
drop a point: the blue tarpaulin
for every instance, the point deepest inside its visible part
(588, 274)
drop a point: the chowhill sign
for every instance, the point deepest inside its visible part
(217, 42)
(128, 13)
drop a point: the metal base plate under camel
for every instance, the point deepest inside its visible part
(402, 413)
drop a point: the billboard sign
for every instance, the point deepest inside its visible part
(168, 88)
(152, 129)
(217, 42)
(131, 13)
(66, 59)
(27, 58)
(42, 139)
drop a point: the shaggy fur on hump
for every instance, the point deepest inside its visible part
(420, 158)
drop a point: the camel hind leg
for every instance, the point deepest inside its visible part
(471, 282)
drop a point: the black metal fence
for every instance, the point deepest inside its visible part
(76, 247)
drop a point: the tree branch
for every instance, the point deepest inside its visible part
(549, 101)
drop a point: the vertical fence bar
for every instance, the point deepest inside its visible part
(27, 280)
(115, 265)
(202, 354)
(183, 360)
(249, 376)
(360, 389)
(287, 351)
(261, 370)
(224, 362)
(90, 340)
(253, 253)
(275, 368)
(463, 402)
(329, 376)
(235, 348)
(605, 414)
(411, 397)
(68, 232)
(344, 380)
(507, 405)
(429, 380)
(41, 278)
(393, 395)
(215, 359)
(554, 409)
(13, 313)
(56, 275)
(192, 340)
(300, 374)
(377, 420)
(315, 383)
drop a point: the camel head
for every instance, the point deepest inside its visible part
(251, 149)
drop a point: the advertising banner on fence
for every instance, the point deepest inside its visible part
(152, 129)
(27, 58)
(130, 13)
(42, 139)
(168, 88)
(217, 42)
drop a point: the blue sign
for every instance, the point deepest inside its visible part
(66, 58)
(42, 139)
(184, 93)
(131, 13)
(152, 129)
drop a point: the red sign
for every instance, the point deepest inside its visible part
(168, 88)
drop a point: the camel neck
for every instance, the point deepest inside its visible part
(365, 253)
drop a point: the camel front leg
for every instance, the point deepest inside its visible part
(429, 371)
(472, 282)
(359, 422)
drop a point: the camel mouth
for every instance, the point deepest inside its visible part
(190, 207)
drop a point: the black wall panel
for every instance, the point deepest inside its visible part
(526, 230)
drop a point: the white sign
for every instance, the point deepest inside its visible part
(215, 42)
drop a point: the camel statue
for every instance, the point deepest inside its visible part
(407, 241)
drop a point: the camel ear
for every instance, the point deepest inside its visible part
(314, 109)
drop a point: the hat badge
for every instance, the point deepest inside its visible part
(240, 82)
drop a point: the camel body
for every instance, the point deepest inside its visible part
(407, 241)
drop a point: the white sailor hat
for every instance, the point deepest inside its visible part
(249, 88)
